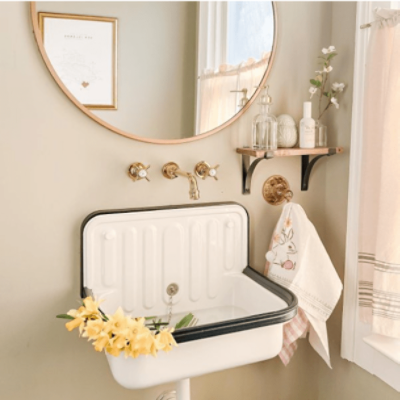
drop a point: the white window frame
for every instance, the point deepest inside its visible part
(213, 34)
(354, 348)
(212, 42)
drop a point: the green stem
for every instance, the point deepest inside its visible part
(321, 94)
(64, 316)
(321, 114)
(103, 315)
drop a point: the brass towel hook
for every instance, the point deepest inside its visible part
(276, 190)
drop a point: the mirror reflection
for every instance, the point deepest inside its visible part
(164, 70)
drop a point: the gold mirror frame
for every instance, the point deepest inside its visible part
(39, 41)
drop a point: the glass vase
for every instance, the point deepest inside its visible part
(321, 135)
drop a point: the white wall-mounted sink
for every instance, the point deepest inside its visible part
(133, 255)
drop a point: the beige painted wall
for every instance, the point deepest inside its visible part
(156, 64)
(57, 166)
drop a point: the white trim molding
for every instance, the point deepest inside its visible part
(350, 309)
(359, 345)
(212, 43)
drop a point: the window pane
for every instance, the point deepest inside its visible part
(250, 30)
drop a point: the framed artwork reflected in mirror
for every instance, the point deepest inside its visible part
(83, 51)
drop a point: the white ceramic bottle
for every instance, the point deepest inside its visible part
(307, 128)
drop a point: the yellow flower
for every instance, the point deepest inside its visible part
(76, 313)
(118, 333)
(118, 322)
(113, 350)
(93, 329)
(131, 352)
(90, 310)
(139, 339)
(86, 312)
(92, 307)
(75, 323)
(165, 340)
(145, 345)
(120, 340)
(134, 323)
(276, 237)
(101, 342)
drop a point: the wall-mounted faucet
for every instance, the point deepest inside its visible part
(171, 170)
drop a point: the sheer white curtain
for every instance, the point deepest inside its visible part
(217, 103)
(379, 233)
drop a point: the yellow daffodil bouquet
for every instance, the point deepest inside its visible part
(119, 333)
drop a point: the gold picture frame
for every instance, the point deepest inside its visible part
(85, 83)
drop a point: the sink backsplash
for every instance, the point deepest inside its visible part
(130, 257)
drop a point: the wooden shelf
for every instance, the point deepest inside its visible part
(295, 151)
(306, 164)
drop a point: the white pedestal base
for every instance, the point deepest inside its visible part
(183, 389)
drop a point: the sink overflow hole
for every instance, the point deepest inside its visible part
(172, 289)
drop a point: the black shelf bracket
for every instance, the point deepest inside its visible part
(307, 166)
(248, 169)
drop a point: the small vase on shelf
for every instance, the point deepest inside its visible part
(321, 134)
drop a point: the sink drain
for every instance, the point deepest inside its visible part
(167, 396)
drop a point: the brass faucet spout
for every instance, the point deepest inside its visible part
(171, 170)
(194, 192)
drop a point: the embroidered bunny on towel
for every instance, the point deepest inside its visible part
(284, 252)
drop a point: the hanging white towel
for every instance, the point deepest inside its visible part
(298, 261)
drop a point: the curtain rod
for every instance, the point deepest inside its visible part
(380, 20)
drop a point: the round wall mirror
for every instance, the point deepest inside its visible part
(160, 72)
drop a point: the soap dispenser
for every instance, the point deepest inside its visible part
(264, 129)
(307, 128)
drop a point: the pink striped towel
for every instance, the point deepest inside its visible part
(293, 330)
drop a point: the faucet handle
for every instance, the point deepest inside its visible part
(203, 170)
(138, 171)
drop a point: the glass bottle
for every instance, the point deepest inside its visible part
(265, 125)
